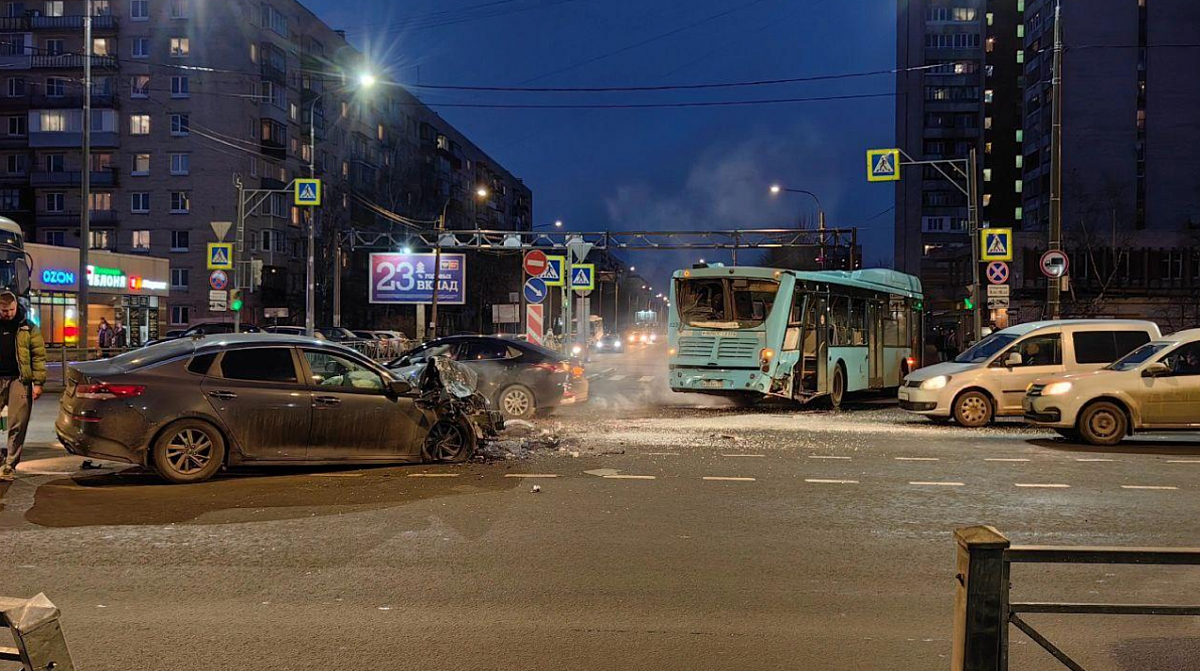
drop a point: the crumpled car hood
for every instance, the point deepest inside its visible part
(458, 380)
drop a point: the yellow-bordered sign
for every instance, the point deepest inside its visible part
(308, 192)
(220, 256)
(996, 244)
(883, 165)
(583, 276)
(553, 275)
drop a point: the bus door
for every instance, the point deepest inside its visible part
(818, 345)
(875, 344)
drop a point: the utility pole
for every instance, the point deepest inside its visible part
(239, 236)
(976, 251)
(85, 182)
(1054, 243)
(437, 269)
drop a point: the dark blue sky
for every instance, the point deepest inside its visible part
(694, 168)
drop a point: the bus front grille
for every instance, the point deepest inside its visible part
(738, 348)
(699, 346)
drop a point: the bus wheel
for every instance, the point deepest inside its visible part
(837, 387)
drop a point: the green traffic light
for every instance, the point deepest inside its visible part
(236, 302)
(968, 304)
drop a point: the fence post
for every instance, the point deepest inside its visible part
(980, 601)
(37, 633)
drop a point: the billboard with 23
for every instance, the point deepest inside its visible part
(408, 279)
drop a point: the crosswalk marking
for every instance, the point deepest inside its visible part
(621, 476)
(1093, 460)
(433, 475)
(616, 378)
(743, 455)
(1183, 461)
(530, 475)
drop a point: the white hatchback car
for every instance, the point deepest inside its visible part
(1154, 388)
(989, 379)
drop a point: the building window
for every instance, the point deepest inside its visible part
(1020, 30)
(1019, 186)
(16, 126)
(273, 241)
(180, 125)
(987, 174)
(935, 224)
(272, 19)
(139, 10)
(180, 47)
(139, 202)
(56, 238)
(56, 87)
(103, 46)
(139, 86)
(16, 87)
(100, 202)
(180, 9)
(180, 164)
(53, 47)
(16, 164)
(141, 165)
(1020, 135)
(141, 241)
(180, 315)
(254, 52)
(1020, 161)
(139, 124)
(180, 87)
(179, 241)
(180, 202)
(1020, 55)
(56, 163)
(101, 239)
(54, 201)
(53, 121)
(53, 8)
(141, 47)
(293, 112)
(179, 278)
(1019, 214)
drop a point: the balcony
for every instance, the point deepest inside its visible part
(273, 72)
(73, 101)
(102, 217)
(100, 178)
(71, 23)
(273, 149)
(71, 61)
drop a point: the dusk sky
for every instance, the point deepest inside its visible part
(648, 169)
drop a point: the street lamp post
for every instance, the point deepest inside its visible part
(777, 189)
(481, 193)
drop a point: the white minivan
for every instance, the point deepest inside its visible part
(989, 379)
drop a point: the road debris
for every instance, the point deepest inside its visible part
(536, 489)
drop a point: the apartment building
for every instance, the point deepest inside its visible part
(186, 95)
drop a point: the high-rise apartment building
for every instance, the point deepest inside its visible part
(188, 93)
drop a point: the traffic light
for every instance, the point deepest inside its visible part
(968, 304)
(235, 300)
(256, 273)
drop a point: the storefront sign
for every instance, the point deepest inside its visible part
(141, 283)
(102, 278)
(58, 278)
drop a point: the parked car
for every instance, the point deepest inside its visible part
(188, 407)
(1154, 388)
(367, 335)
(611, 342)
(206, 328)
(519, 378)
(989, 379)
(338, 334)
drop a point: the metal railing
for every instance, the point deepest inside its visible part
(983, 609)
(40, 645)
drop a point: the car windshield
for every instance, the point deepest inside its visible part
(986, 348)
(1139, 356)
(725, 303)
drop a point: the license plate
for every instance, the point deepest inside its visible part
(712, 384)
(903, 395)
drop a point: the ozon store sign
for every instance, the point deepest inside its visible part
(99, 277)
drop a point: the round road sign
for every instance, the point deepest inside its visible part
(535, 263)
(1055, 264)
(997, 272)
(218, 280)
(535, 290)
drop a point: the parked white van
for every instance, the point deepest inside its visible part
(989, 379)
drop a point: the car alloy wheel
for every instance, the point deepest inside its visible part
(448, 442)
(517, 402)
(189, 451)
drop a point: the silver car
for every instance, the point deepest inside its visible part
(189, 407)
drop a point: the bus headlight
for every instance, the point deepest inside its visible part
(935, 383)
(1057, 388)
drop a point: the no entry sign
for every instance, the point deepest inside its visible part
(535, 263)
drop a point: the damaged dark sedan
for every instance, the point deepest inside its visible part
(188, 408)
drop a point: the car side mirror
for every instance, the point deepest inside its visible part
(1014, 359)
(1155, 369)
(400, 387)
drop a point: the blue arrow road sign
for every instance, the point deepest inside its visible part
(535, 290)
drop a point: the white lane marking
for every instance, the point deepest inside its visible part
(647, 378)
(719, 478)
(593, 376)
(337, 475)
(1094, 460)
(937, 484)
(1151, 487)
(1013, 460)
(663, 454)
(822, 456)
(616, 378)
(433, 475)
(629, 477)
(606, 371)
(530, 475)
(1038, 485)
(1183, 461)
(917, 459)
(743, 455)
(822, 481)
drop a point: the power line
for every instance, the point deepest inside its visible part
(429, 21)
(699, 103)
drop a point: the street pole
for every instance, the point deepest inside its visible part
(821, 232)
(1054, 285)
(85, 181)
(239, 236)
(973, 210)
(310, 290)
(437, 270)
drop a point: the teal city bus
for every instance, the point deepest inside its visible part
(746, 333)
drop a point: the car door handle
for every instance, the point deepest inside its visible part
(328, 400)
(223, 395)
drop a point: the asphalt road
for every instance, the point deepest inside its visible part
(774, 538)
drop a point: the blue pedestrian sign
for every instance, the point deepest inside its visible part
(996, 243)
(583, 276)
(535, 290)
(553, 275)
(883, 165)
(308, 192)
(220, 256)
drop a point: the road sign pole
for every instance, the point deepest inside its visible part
(237, 246)
(973, 206)
(1054, 287)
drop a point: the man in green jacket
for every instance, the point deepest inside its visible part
(22, 374)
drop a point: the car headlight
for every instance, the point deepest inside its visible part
(576, 349)
(934, 383)
(616, 344)
(1057, 388)
(599, 344)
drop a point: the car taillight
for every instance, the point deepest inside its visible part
(560, 367)
(104, 392)
(577, 372)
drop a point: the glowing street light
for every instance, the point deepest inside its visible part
(775, 189)
(558, 223)
(366, 80)
(482, 192)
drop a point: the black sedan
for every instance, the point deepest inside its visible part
(519, 378)
(188, 407)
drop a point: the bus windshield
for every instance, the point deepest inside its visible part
(986, 348)
(725, 303)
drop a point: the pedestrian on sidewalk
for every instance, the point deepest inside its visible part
(120, 337)
(104, 335)
(22, 374)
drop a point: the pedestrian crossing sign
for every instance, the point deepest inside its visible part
(883, 165)
(553, 274)
(583, 276)
(308, 192)
(220, 256)
(996, 244)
